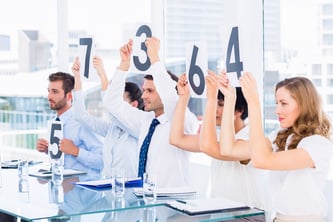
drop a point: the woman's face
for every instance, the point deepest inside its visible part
(287, 108)
(219, 112)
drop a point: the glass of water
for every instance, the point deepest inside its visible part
(23, 168)
(118, 181)
(149, 188)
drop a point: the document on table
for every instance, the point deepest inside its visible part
(46, 174)
(206, 205)
(173, 192)
(13, 164)
(106, 183)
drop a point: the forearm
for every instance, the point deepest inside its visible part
(177, 134)
(258, 143)
(114, 103)
(165, 87)
(227, 132)
(208, 138)
(77, 83)
(104, 81)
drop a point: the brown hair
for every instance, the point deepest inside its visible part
(312, 119)
(66, 78)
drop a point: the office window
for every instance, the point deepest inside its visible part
(316, 69)
(327, 9)
(317, 82)
(290, 49)
(329, 82)
(328, 24)
(330, 99)
(330, 69)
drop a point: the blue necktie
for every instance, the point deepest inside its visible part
(144, 148)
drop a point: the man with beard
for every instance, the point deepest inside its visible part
(82, 149)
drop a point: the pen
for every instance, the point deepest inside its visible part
(182, 201)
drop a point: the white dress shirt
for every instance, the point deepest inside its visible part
(169, 163)
(119, 148)
(301, 192)
(240, 182)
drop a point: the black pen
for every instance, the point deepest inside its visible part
(182, 201)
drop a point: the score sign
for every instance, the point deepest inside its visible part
(56, 135)
(196, 68)
(141, 62)
(196, 64)
(86, 53)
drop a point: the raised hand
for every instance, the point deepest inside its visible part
(182, 86)
(249, 87)
(76, 67)
(224, 85)
(98, 65)
(211, 84)
(153, 47)
(125, 55)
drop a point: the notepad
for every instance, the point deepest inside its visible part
(106, 183)
(206, 205)
(173, 192)
(13, 164)
(46, 174)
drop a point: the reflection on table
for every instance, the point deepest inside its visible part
(74, 203)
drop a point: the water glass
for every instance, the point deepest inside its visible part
(23, 187)
(23, 169)
(118, 181)
(57, 174)
(57, 194)
(149, 188)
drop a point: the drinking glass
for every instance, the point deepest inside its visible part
(149, 188)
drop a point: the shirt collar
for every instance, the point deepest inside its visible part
(66, 115)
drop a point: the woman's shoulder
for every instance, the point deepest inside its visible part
(316, 140)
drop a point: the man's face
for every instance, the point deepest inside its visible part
(151, 98)
(56, 96)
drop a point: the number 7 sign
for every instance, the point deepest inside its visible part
(86, 53)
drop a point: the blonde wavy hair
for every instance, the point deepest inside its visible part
(312, 119)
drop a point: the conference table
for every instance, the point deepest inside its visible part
(46, 202)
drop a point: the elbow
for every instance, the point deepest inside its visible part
(204, 145)
(174, 140)
(225, 152)
(257, 162)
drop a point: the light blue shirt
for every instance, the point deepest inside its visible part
(90, 157)
(120, 147)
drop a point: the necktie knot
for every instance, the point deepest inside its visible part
(155, 122)
(57, 119)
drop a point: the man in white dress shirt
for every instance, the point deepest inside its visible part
(169, 163)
